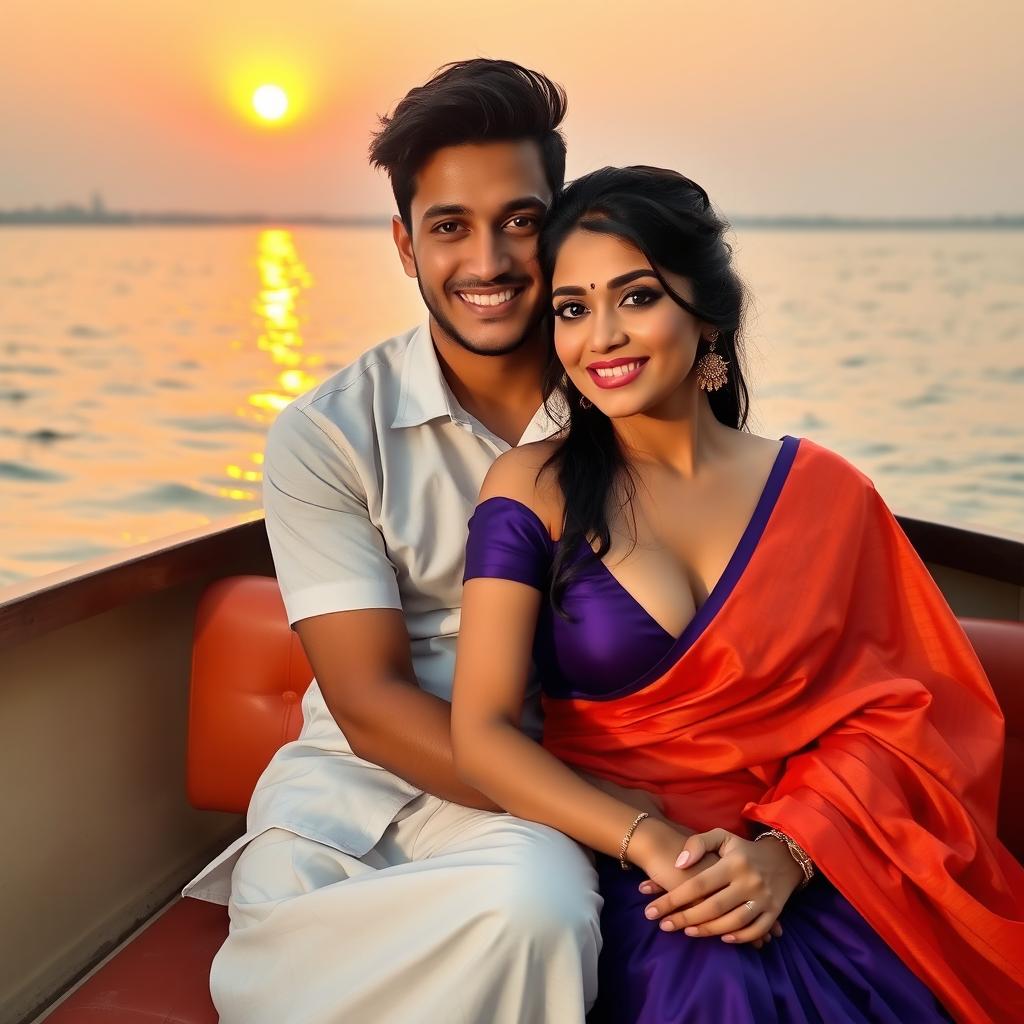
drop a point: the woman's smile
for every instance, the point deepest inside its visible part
(616, 373)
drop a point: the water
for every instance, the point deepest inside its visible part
(140, 368)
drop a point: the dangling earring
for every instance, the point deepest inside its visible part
(712, 369)
(585, 403)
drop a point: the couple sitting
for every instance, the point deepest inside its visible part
(765, 786)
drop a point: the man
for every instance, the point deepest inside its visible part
(372, 885)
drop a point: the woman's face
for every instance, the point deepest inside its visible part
(624, 342)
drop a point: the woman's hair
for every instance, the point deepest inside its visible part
(470, 101)
(669, 218)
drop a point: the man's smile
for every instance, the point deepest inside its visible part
(490, 301)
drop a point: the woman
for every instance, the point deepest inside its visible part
(734, 631)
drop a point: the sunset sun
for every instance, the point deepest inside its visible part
(270, 102)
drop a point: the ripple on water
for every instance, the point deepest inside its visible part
(48, 436)
(161, 497)
(214, 424)
(878, 448)
(71, 553)
(90, 331)
(935, 464)
(31, 369)
(29, 474)
(931, 396)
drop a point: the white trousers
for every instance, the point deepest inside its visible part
(456, 916)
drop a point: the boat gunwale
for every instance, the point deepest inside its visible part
(32, 607)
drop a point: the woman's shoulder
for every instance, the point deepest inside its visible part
(829, 463)
(523, 475)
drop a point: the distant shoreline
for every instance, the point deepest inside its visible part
(82, 217)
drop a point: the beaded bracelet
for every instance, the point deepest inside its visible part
(796, 850)
(626, 838)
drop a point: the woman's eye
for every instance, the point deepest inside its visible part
(571, 311)
(644, 297)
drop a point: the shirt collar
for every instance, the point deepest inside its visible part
(423, 393)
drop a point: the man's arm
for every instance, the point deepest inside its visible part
(364, 667)
(341, 592)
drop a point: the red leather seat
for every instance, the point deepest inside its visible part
(1000, 648)
(248, 675)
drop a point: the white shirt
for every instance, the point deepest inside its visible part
(369, 483)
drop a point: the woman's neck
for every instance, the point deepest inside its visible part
(681, 436)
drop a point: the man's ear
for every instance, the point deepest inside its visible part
(403, 243)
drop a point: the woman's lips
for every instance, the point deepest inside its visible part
(617, 373)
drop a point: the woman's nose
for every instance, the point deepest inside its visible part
(608, 333)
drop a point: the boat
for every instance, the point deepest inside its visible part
(140, 696)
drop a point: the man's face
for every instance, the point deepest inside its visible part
(475, 220)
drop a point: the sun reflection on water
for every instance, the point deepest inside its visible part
(283, 279)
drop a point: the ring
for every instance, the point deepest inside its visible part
(749, 904)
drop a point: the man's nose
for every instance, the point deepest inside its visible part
(489, 258)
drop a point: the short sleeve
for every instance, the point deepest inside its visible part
(507, 541)
(328, 555)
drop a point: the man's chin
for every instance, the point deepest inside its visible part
(495, 338)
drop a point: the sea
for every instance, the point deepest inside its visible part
(140, 367)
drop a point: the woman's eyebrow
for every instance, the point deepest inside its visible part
(615, 282)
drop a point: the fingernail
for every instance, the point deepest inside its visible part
(692, 930)
(682, 859)
(644, 887)
(667, 926)
(728, 938)
(651, 913)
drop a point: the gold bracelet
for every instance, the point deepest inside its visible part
(796, 851)
(626, 838)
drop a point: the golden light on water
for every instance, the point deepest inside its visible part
(270, 102)
(283, 278)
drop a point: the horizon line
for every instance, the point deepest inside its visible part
(99, 214)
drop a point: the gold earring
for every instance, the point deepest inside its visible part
(712, 369)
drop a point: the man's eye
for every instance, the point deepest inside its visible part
(449, 227)
(571, 311)
(523, 221)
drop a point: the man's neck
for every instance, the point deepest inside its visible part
(502, 392)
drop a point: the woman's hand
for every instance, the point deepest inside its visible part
(739, 898)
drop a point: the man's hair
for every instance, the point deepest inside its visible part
(470, 101)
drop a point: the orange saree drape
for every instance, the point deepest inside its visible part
(833, 695)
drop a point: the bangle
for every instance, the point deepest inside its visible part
(626, 838)
(797, 852)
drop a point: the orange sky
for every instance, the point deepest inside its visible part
(811, 106)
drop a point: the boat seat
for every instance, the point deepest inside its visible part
(248, 676)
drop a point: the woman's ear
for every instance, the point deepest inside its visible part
(403, 243)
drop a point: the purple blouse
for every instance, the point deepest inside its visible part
(609, 645)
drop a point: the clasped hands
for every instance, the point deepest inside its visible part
(718, 883)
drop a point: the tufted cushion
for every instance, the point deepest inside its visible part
(1000, 648)
(249, 673)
